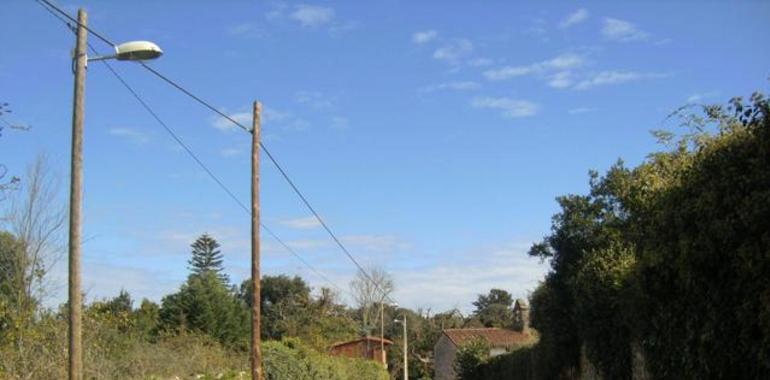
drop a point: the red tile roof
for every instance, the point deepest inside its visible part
(363, 339)
(496, 337)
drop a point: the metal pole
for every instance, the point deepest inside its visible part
(382, 335)
(406, 349)
(256, 350)
(76, 194)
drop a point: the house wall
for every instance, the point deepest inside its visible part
(360, 350)
(444, 353)
(351, 350)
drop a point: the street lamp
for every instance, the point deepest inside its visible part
(406, 361)
(382, 331)
(131, 51)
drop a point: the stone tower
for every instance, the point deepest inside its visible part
(521, 315)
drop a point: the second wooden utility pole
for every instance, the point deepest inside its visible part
(80, 59)
(256, 350)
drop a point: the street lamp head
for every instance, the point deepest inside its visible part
(137, 51)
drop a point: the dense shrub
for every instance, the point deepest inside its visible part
(291, 360)
(115, 350)
(601, 289)
(674, 254)
(471, 359)
(705, 259)
(474, 363)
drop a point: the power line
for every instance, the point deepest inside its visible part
(208, 171)
(281, 170)
(200, 163)
(75, 21)
(270, 156)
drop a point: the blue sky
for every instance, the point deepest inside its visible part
(433, 137)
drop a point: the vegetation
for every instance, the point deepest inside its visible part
(206, 257)
(494, 309)
(669, 258)
(7, 184)
(201, 330)
(471, 360)
(671, 255)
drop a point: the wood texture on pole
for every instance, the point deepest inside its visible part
(256, 350)
(80, 58)
(382, 335)
(406, 349)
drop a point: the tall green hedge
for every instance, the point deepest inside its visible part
(673, 254)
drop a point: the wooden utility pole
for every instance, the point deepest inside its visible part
(76, 194)
(382, 335)
(406, 349)
(256, 350)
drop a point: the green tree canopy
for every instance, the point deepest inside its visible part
(205, 304)
(494, 309)
(206, 257)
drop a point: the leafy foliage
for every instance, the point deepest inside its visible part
(291, 360)
(288, 310)
(206, 257)
(205, 305)
(672, 254)
(494, 309)
(471, 358)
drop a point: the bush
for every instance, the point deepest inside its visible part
(290, 360)
(114, 352)
(674, 254)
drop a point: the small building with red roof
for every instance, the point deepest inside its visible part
(369, 348)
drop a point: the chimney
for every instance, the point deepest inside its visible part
(521, 315)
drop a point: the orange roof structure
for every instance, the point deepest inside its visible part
(496, 337)
(373, 339)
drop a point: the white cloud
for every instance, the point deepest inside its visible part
(454, 51)
(561, 62)
(230, 152)
(479, 62)
(276, 11)
(616, 77)
(511, 108)
(304, 223)
(312, 15)
(314, 99)
(132, 135)
(564, 61)
(224, 124)
(623, 31)
(366, 246)
(424, 36)
(246, 30)
(574, 18)
(538, 30)
(343, 27)
(340, 122)
(455, 86)
(508, 72)
(284, 119)
(308, 244)
(375, 243)
(580, 110)
(699, 97)
(271, 117)
(561, 79)
(457, 281)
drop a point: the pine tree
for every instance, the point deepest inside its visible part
(206, 257)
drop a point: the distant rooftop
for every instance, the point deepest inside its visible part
(363, 339)
(496, 337)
